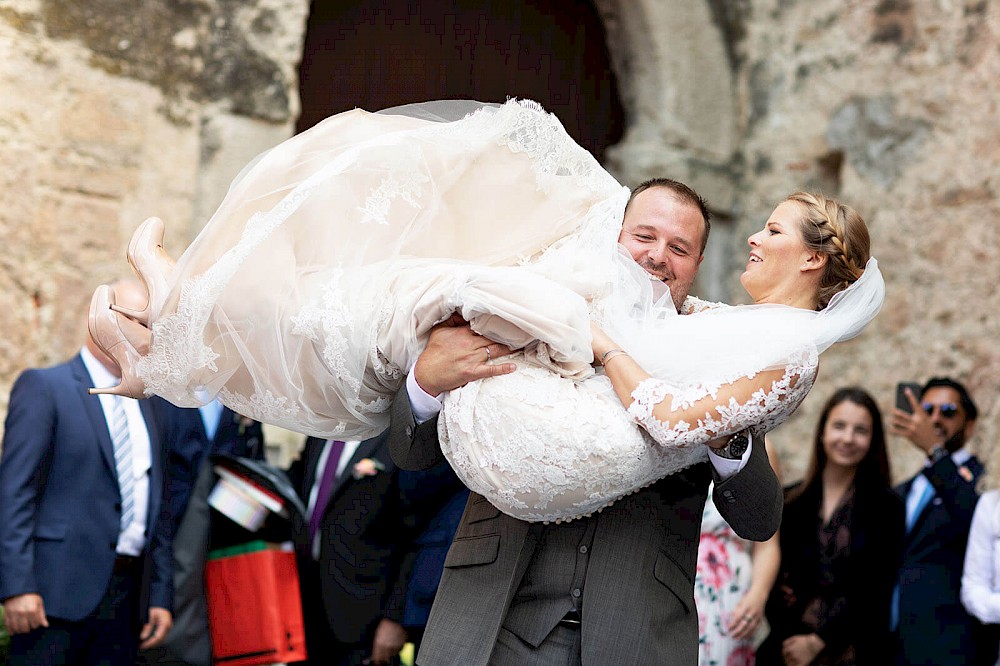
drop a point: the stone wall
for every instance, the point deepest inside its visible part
(112, 112)
(892, 106)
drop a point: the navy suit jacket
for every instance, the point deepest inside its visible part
(60, 508)
(934, 627)
(441, 498)
(235, 435)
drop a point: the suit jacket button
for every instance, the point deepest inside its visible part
(409, 431)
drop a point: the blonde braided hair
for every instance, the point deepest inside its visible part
(838, 231)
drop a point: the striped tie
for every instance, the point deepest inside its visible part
(123, 460)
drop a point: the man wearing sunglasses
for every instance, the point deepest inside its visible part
(927, 615)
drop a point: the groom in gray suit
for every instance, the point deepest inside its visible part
(613, 588)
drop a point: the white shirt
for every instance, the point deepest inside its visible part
(425, 406)
(981, 574)
(132, 539)
(210, 413)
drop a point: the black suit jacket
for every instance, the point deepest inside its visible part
(865, 577)
(934, 627)
(363, 537)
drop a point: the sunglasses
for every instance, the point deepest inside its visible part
(948, 409)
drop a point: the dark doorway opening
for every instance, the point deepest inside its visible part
(375, 54)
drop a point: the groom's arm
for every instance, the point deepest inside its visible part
(454, 356)
(413, 444)
(751, 500)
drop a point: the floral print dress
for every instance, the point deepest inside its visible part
(721, 580)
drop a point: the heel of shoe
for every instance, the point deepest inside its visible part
(113, 390)
(141, 316)
(108, 336)
(144, 255)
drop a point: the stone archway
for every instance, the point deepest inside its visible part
(675, 63)
(675, 69)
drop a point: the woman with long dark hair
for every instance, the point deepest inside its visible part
(841, 534)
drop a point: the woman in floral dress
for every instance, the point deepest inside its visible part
(734, 577)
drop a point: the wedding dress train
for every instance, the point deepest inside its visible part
(310, 293)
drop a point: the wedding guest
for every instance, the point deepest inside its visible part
(731, 585)
(350, 551)
(84, 556)
(841, 534)
(981, 575)
(927, 615)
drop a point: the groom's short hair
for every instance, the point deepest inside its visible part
(684, 193)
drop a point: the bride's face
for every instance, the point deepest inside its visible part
(779, 264)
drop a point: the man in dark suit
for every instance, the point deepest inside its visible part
(207, 430)
(82, 553)
(351, 551)
(614, 588)
(930, 622)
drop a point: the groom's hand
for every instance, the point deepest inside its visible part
(456, 355)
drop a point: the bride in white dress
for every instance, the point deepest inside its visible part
(312, 290)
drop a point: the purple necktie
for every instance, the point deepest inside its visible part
(325, 487)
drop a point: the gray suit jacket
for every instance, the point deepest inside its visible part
(639, 594)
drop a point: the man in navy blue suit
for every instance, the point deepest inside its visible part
(81, 563)
(930, 623)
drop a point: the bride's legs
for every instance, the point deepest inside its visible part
(153, 266)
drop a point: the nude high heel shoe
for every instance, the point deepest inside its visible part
(107, 334)
(152, 264)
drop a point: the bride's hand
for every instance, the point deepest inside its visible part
(600, 342)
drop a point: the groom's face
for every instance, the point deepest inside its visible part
(664, 236)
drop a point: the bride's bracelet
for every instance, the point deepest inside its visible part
(610, 354)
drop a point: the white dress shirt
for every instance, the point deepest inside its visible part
(981, 574)
(210, 413)
(425, 406)
(132, 539)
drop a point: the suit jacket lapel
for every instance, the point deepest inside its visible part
(313, 450)
(155, 458)
(95, 413)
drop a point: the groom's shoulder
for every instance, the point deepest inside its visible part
(693, 304)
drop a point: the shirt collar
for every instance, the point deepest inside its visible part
(99, 374)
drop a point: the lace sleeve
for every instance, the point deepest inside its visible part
(695, 415)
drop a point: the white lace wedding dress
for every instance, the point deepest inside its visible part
(310, 293)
